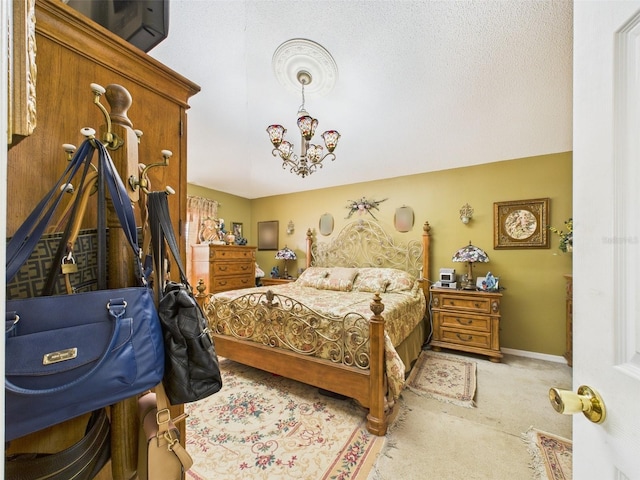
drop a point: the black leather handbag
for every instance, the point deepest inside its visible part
(191, 370)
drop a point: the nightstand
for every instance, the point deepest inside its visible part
(466, 320)
(275, 281)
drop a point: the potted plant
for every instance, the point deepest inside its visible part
(566, 238)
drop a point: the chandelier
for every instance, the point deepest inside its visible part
(311, 156)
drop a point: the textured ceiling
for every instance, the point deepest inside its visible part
(422, 86)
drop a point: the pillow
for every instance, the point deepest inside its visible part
(373, 280)
(311, 276)
(399, 280)
(339, 278)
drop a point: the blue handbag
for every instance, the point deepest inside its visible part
(67, 355)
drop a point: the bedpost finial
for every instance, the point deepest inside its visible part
(426, 228)
(377, 307)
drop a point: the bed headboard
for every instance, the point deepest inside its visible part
(365, 244)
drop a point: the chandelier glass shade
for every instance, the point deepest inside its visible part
(311, 155)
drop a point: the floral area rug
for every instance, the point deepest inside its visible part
(551, 455)
(264, 426)
(444, 377)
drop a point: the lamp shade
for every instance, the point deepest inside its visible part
(286, 254)
(470, 253)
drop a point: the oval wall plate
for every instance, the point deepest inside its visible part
(403, 219)
(326, 224)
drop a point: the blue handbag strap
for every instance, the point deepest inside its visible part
(29, 233)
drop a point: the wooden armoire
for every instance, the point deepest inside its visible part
(71, 53)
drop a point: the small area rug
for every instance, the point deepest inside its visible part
(444, 377)
(551, 455)
(264, 426)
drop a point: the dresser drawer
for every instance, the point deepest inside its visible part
(231, 253)
(232, 268)
(462, 303)
(232, 283)
(465, 337)
(473, 323)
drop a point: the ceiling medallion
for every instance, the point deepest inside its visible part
(299, 54)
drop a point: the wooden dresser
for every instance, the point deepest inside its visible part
(229, 267)
(466, 320)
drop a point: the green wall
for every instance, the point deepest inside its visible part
(533, 306)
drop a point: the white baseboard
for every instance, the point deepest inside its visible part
(536, 355)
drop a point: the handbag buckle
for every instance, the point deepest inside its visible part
(163, 414)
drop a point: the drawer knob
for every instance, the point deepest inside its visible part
(222, 282)
(464, 321)
(468, 339)
(477, 305)
(223, 268)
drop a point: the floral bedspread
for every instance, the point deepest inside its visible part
(402, 312)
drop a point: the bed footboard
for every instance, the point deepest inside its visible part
(278, 334)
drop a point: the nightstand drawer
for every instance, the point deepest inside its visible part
(464, 337)
(461, 303)
(232, 268)
(475, 323)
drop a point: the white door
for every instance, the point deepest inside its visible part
(606, 257)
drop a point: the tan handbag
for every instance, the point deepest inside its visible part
(160, 454)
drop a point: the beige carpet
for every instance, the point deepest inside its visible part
(263, 426)
(441, 441)
(551, 455)
(445, 377)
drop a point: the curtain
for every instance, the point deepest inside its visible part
(198, 209)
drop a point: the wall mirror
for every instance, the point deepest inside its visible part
(326, 224)
(403, 219)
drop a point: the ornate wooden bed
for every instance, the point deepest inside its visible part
(339, 347)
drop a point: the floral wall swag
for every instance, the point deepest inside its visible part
(363, 206)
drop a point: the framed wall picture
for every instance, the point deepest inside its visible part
(521, 224)
(268, 235)
(236, 229)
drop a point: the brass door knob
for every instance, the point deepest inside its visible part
(587, 401)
